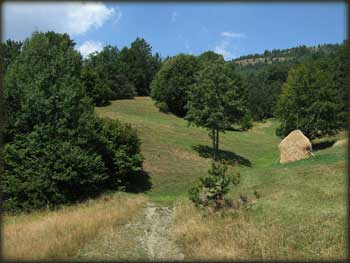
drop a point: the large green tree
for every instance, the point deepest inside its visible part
(141, 65)
(105, 76)
(312, 99)
(172, 82)
(209, 57)
(215, 100)
(56, 149)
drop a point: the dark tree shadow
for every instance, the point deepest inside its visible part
(233, 129)
(230, 157)
(103, 104)
(322, 145)
(139, 183)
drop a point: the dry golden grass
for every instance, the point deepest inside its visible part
(224, 238)
(60, 234)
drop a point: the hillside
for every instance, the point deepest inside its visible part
(305, 200)
(300, 213)
(299, 54)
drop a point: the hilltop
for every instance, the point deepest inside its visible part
(299, 53)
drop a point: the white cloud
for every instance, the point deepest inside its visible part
(222, 49)
(174, 16)
(233, 35)
(89, 47)
(75, 18)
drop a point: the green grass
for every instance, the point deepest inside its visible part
(170, 146)
(307, 198)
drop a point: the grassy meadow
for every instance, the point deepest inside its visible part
(300, 214)
(302, 208)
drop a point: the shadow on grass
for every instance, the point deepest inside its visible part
(230, 157)
(234, 129)
(103, 104)
(322, 145)
(139, 183)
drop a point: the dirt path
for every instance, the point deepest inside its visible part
(147, 237)
(156, 238)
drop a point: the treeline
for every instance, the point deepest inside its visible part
(120, 74)
(298, 53)
(307, 92)
(265, 85)
(56, 150)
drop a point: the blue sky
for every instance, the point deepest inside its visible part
(232, 29)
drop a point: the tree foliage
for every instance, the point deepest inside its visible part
(215, 100)
(140, 65)
(172, 82)
(312, 99)
(57, 150)
(262, 89)
(211, 189)
(9, 50)
(105, 76)
(209, 57)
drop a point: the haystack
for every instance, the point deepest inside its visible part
(295, 146)
(341, 143)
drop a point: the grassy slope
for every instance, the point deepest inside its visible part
(306, 199)
(169, 146)
(301, 212)
(60, 234)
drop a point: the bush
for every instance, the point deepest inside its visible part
(162, 106)
(119, 146)
(246, 122)
(47, 173)
(211, 189)
(40, 171)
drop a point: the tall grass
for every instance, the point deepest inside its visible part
(211, 237)
(60, 234)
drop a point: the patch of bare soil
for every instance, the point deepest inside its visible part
(157, 240)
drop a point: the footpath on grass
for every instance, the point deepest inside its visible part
(147, 237)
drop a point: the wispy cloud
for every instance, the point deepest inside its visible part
(226, 46)
(89, 47)
(222, 49)
(174, 16)
(233, 35)
(75, 18)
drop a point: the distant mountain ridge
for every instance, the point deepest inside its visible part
(298, 53)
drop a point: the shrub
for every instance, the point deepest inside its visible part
(211, 189)
(119, 146)
(162, 106)
(246, 122)
(40, 173)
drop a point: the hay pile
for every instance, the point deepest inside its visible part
(295, 146)
(341, 143)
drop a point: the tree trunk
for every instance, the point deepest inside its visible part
(214, 140)
(217, 143)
